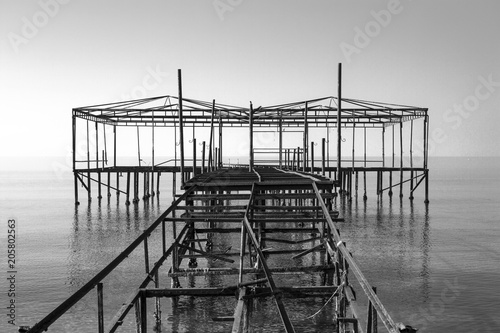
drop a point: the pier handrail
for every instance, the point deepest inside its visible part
(44, 324)
(377, 304)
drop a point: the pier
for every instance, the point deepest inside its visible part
(276, 205)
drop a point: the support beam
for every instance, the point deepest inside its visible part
(339, 122)
(181, 126)
(250, 132)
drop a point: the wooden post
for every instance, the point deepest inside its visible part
(146, 255)
(194, 157)
(401, 159)
(99, 196)
(114, 146)
(371, 323)
(203, 158)
(426, 156)
(181, 126)
(75, 177)
(250, 130)
(152, 153)
(393, 164)
(383, 161)
(144, 313)
(109, 184)
(411, 159)
(306, 139)
(364, 164)
(298, 158)
(280, 135)
(89, 187)
(100, 311)
(127, 201)
(158, 174)
(118, 183)
(323, 146)
(210, 142)
(339, 123)
(312, 157)
(220, 139)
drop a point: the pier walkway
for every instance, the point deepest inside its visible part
(273, 213)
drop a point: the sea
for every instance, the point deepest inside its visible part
(435, 266)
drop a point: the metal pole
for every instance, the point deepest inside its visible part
(203, 158)
(250, 130)
(152, 153)
(114, 146)
(210, 142)
(426, 156)
(88, 163)
(194, 157)
(306, 136)
(411, 159)
(281, 138)
(401, 160)
(220, 139)
(100, 311)
(74, 158)
(339, 120)
(323, 146)
(181, 126)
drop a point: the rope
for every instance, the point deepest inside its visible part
(328, 301)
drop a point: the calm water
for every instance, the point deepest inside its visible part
(436, 268)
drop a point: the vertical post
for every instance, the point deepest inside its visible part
(117, 183)
(364, 164)
(99, 196)
(210, 142)
(146, 255)
(152, 153)
(158, 174)
(144, 323)
(100, 311)
(89, 187)
(383, 160)
(114, 146)
(306, 139)
(323, 146)
(181, 126)
(426, 156)
(220, 139)
(127, 201)
(312, 157)
(280, 134)
(401, 160)
(250, 131)
(194, 157)
(393, 162)
(138, 147)
(339, 122)
(298, 158)
(203, 158)
(411, 159)
(75, 178)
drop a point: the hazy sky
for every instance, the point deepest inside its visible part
(56, 55)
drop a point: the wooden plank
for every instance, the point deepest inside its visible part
(238, 312)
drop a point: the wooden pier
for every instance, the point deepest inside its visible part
(278, 204)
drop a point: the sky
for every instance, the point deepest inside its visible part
(60, 54)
